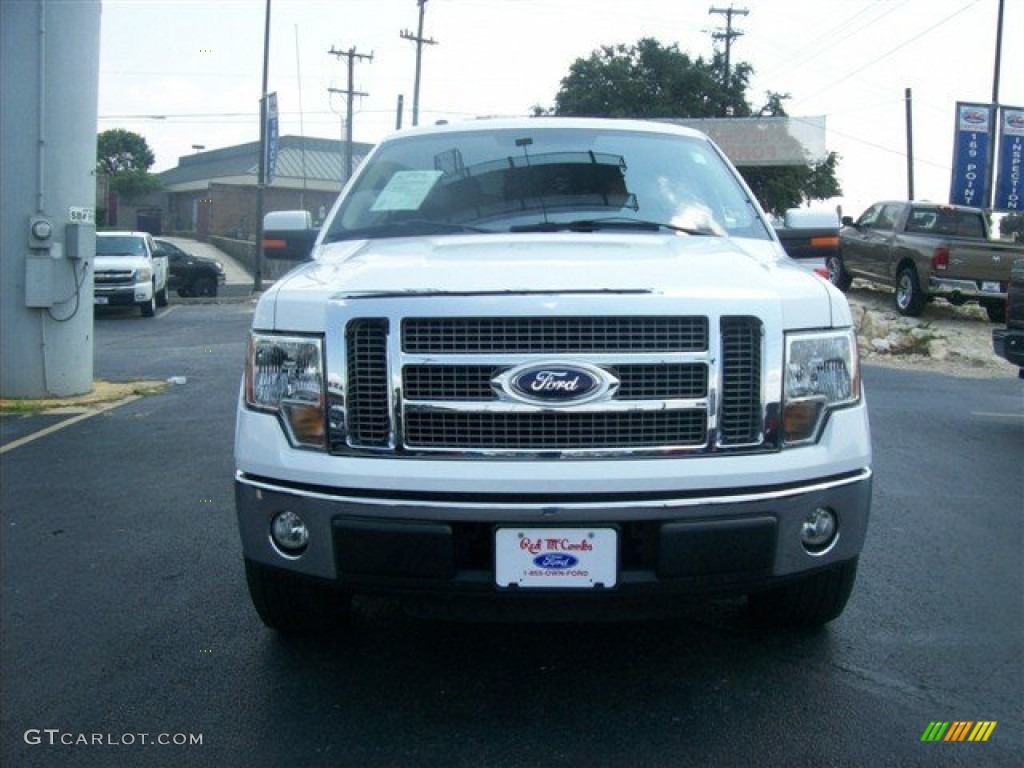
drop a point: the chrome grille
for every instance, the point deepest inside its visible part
(114, 277)
(546, 335)
(417, 385)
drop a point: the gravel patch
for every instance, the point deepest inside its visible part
(945, 338)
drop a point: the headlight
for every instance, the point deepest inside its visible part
(143, 275)
(822, 373)
(284, 375)
(218, 266)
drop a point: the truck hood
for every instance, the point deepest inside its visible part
(730, 273)
(111, 263)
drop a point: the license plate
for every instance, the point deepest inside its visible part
(102, 300)
(538, 558)
(989, 286)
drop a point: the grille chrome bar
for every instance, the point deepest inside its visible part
(473, 382)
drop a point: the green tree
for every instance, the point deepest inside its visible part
(126, 158)
(649, 80)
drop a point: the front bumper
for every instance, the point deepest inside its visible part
(123, 295)
(1009, 344)
(720, 543)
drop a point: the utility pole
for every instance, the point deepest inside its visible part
(420, 41)
(909, 98)
(995, 120)
(351, 55)
(727, 35)
(261, 177)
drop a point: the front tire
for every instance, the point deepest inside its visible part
(910, 299)
(293, 604)
(809, 602)
(204, 286)
(148, 308)
(837, 274)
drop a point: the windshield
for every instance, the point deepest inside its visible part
(120, 246)
(545, 178)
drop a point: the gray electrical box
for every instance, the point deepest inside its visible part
(40, 275)
(80, 240)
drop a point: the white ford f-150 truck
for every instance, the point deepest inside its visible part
(556, 364)
(130, 271)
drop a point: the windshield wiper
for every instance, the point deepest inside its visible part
(404, 228)
(595, 225)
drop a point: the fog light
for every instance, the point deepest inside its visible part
(818, 531)
(289, 533)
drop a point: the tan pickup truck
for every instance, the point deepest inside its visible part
(926, 250)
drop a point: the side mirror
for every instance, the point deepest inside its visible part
(288, 235)
(848, 221)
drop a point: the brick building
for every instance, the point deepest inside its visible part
(214, 193)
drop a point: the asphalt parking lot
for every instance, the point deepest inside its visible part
(124, 614)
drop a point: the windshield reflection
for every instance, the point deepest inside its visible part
(543, 177)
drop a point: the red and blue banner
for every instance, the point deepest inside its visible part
(971, 147)
(1009, 184)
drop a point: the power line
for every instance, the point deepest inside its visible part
(852, 25)
(878, 58)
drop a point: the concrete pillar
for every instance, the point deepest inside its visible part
(49, 77)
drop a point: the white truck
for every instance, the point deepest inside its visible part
(128, 270)
(552, 364)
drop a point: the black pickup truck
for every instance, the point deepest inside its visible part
(191, 275)
(1008, 342)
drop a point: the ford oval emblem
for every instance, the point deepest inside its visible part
(556, 383)
(555, 561)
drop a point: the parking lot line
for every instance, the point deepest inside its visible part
(66, 423)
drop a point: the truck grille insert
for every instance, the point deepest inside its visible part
(680, 386)
(741, 380)
(114, 277)
(368, 420)
(554, 431)
(532, 335)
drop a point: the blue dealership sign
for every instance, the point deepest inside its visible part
(270, 164)
(1009, 185)
(971, 182)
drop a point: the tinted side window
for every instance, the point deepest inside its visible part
(870, 216)
(969, 225)
(887, 217)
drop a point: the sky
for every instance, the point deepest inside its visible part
(187, 73)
